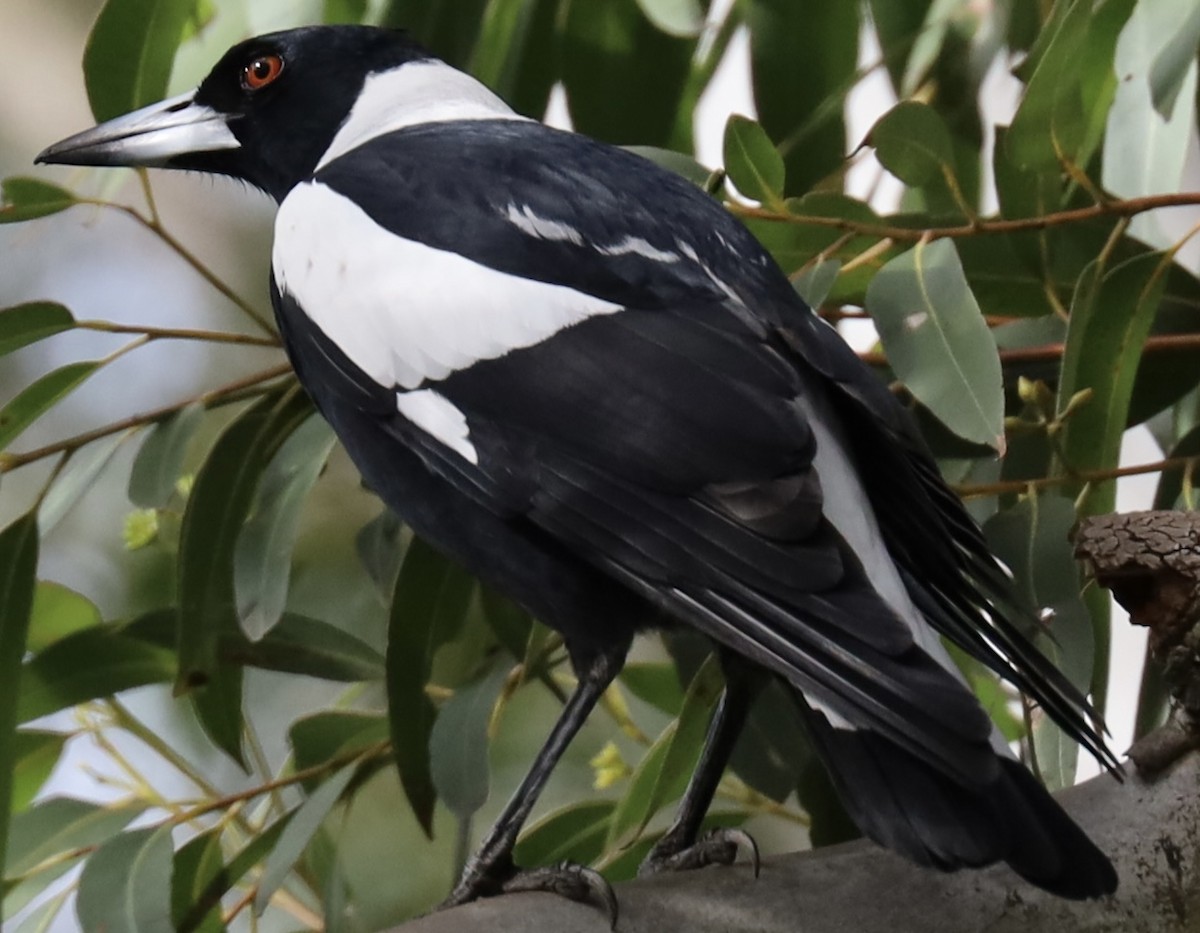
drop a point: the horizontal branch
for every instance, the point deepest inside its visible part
(1002, 487)
(1149, 829)
(1128, 207)
(1053, 352)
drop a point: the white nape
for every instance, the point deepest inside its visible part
(402, 311)
(414, 93)
(435, 414)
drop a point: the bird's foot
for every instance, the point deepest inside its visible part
(716, 847)
(566, 879)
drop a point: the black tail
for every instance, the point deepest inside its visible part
(903, 803)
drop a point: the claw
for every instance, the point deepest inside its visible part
(574, 882)
(716, 847)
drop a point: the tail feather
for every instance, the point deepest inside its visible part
(902, 803)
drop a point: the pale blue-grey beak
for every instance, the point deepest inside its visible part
(151, 136)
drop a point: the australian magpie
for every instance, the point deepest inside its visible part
(578, 375)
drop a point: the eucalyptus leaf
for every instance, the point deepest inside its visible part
(752, 161)
(458, 744)
(675, 17)
(197, 865)
(1177, 57)
(29, 198)
(58, 611)
(573, 834)
(129, 53)
(76, 480)
(937, 342)
(28, 323)
(429, 606)
(913, 143)
(39, 397)
(159, 461)
(36, 754)
(263, 554)
(298, 833)
(125, 886)
(330, 734)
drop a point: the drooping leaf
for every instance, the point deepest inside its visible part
(380, 545)
(573, 834)
(36, 754)
(683, 18)
(664, 771)
(752, 161)
(913, 143)
(682, 165)
(298, 833)
(39, 397)
(159, 462)
(510, 623)
(515, 54)
(815, 281)
(125, 886)
(448, 28)
(217, 506)
(30, 198)
(49, 830)
(624, 77)
(331, 734)
(209, 898)
(1032, 538)
(937, 342)
(28, 323)
(263, 554)
(129, 53)
(18, 567)
(1176, 59)
(428, 608)
(656, 684)
(458, 744)
(1170, 483)
(197, 865)
(802, 62)
(899, 27)
(94, 662)
(76, 480)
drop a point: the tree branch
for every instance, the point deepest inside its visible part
(1151, 829)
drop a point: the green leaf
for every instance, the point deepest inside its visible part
(18, 566)
(50, 829)
(458, 744)
(816, 280)
(448, 28)
(802, 64)
(197, 865)
(128, 57)
(913, 143)
(86, 665)
(298, 833)
(679, 163)
(76, 480)
(330, 734)
(1067, 98)
(126, 884)
(380, 545)
(429, 606)
(684, 18)
(624, 77)
(159, 462)
(1176, 58)
(1110, 318)
(573, 834)
(516, 54)
(937, 342)
(752, 161)
(1170, 482)
(663, 773)
(511, 624)
(344, 11)
(36, 399)
(1032, 538)
(36, 754)
(29, 198)
(654, 683)
(24, 324)
(209, 898)
(218, 504)
(58, 612)
(899, 28)
(262, 561)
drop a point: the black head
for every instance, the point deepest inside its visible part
(266, 113)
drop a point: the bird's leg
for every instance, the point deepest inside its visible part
(491, 870)
(682, 846)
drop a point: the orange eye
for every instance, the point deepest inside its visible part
(261, 71)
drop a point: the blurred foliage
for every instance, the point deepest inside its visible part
(1042, 326)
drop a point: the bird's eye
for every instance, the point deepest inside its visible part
(261, 71)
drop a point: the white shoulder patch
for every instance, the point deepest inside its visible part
(403, 311)
(435, 414)
(414, 93)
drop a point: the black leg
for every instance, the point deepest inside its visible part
(681, 846)
(491, 870)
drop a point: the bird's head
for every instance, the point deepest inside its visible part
(267, 113)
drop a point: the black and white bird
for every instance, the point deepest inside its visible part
(582, 378)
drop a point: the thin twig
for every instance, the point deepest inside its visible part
(1002, 487)
(177, 333)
